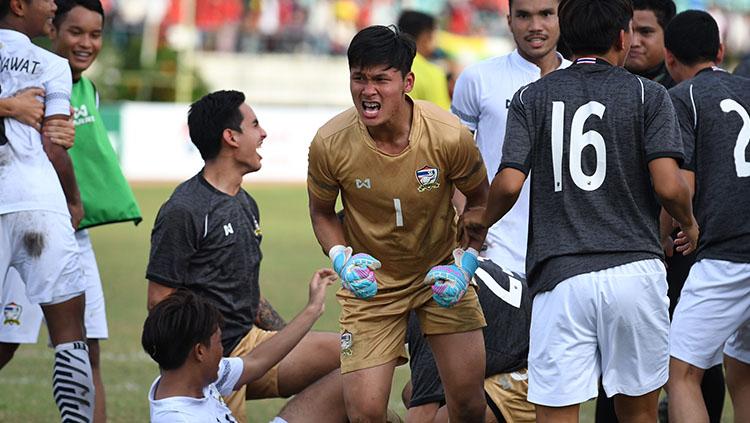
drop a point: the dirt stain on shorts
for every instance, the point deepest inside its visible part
(34, 243)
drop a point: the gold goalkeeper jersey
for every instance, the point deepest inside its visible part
(397, 208)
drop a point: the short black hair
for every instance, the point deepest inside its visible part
(416, 23)
(210, 116)
(593, 26)
(380, 45)
(664, 10)
(693, 37)
(5, 8)
(175, 325)
(510, 5)
(64, 6)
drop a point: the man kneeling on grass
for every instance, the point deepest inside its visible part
(182, 334)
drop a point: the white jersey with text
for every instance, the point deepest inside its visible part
(210, 408)
(27, 179)
(481, 99)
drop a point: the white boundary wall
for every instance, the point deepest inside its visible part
(155, 143)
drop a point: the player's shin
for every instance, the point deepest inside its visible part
(72, 384)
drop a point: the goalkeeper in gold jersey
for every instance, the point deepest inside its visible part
(396, 162)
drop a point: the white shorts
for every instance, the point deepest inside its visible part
(42, 248)
(24, 327)
(612, 323)
(713, 314)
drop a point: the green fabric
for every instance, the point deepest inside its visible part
(106, 195)
(430, 82)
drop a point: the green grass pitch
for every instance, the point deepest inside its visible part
(290, 255)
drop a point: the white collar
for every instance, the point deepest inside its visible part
(519, 61)
(12, 34)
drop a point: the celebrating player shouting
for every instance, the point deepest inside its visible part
(207, 239)
(599, 141)
(396, 162)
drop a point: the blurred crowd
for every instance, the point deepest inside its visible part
(326, 26)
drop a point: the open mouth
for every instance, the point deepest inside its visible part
(536, 41)
(82, 55)
(370, 108)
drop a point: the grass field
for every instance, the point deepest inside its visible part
(290, 256)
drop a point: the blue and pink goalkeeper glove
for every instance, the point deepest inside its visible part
(449, 282)
(356, 271)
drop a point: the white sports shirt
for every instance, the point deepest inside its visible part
(481, 99)
(210, 408)
(27, 179)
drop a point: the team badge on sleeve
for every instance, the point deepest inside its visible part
(427, 178)
(12, 314)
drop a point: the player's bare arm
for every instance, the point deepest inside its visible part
(325, 223)
(268, 318)
(504, 191)
(156, 293)
(25, 107)
(474, 207)
(666, 226)
(267, 354)
(683, 240)
(60, 132)
(355, 270)
(60, 159)
(675, 195)
(667, 223)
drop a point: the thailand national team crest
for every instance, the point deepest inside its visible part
(12, 314)
(428, 178)
(346, 343)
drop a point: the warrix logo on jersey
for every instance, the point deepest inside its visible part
(427, 178)
(81, 116)
(363, 183)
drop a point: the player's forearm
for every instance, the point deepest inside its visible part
(680, 206)
(673, 190)
(266, 355)
(665, 224)
(471, 216)
(63, 166)
(327, 229)
(504, 192)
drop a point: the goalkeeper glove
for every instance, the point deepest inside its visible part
(449, 283)
(355, 271)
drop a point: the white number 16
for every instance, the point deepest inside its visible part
(578, 141)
